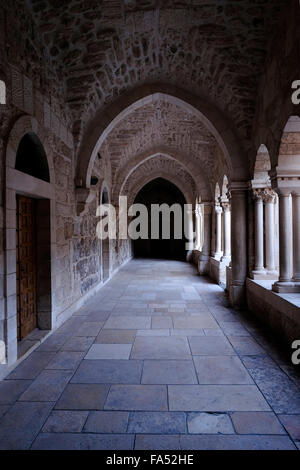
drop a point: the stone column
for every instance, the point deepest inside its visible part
(269, 198)
(284, 242)
(296, 236)
(203, 265)
(227, 231)
(198, 228)
(238, 192)
(218, 251)
(190, 235)
(258, 231)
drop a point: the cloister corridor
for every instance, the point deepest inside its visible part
(155, 360)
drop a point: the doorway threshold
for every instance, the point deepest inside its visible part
(31, 342)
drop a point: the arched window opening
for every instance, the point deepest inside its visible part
(2, 92)
(31, 158)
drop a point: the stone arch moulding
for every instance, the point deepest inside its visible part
(189, 196)
(213, 118)
(24, 184)
(125, 175)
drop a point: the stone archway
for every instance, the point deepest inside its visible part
(215, 121)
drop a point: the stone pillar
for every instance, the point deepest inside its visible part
(296, 237)
(269, 198)
(284, 242)
(238, 242)
(203, 264)
(227, 231)
(198, 222)
(218, 251)
(190, 235)
(258, 232)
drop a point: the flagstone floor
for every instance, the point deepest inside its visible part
(156, 360)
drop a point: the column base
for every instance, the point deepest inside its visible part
(203, 265)
(237, 295)
(217, 256)
(261, 275)
(286, 287)
(189, 256)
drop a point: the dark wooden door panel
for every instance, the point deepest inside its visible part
(26, 267)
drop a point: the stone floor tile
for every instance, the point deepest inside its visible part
(233, 328)
(65, 421)
(256, 423)
(155, 348)
(153, 332)
(109, 351)
(90, 328)
(108, 371)
(137, 398)
(155, 422)
(218, 370)
(47, 386)
(216, 398)
(210, 346)
(194, 321)
(234, 442)
(291, 424)
(10, 390)
(4, 409)
(107, 422)
(67, 360)
(116, 336)
(246, 346)
(209, 423)
(152, 442)
(164, 322)
(53, 343)
(280, 392)
(169, 372)
(20, 425)
(78, 344)
(83, 397)
(31, 367)
(187, 332)
(82, 441)
(128, 323)
(260, 361)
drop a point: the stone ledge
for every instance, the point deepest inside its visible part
(279, 311)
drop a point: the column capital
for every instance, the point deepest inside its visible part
(226, 206)
(218, 209)
(269, 196)
(257, 194)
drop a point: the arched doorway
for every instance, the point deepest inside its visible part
(33, 241)
(160, 191)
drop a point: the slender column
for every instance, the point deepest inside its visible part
(259, 231)
(238, 242)
(190, 234)
(227, 231)
(269, 199)
(218, 252)
(198, 228)
(296, 237)
(284, 240)
(203, 264)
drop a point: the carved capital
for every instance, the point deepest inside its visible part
(257, 195)
(269, 196)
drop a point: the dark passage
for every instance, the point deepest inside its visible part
(161, 191)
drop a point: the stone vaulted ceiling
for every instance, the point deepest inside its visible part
(102, 48)
(161, 126)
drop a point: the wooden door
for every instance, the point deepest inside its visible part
(26, 266)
